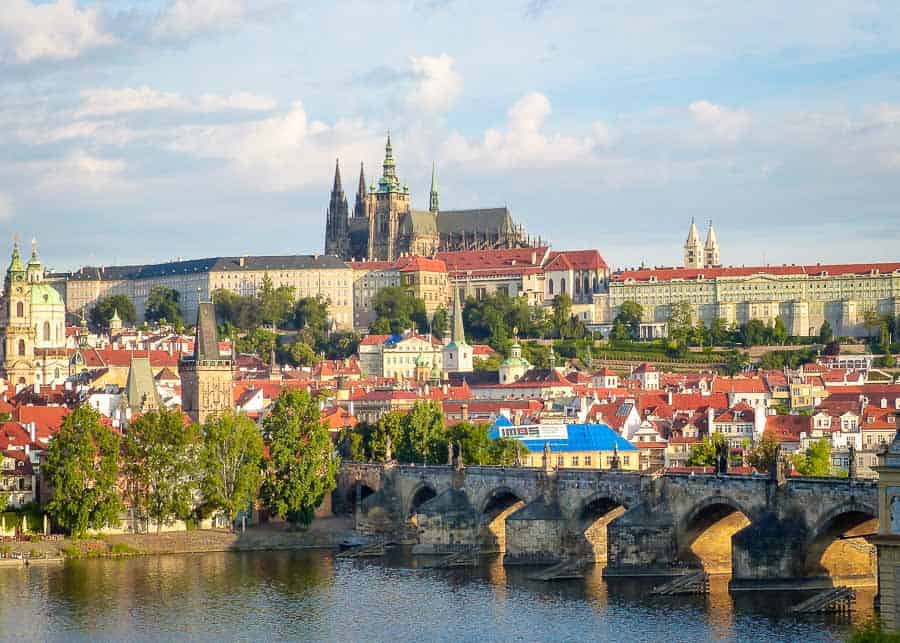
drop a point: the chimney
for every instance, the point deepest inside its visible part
(884, 402)
(32, 431)
(465, 412)
(669, 398)
(350, 408)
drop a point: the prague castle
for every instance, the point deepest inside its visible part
(384, 226)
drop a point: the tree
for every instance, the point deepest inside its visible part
(440, 323)
(422, 438)
(718, 332)
(816, 461)
(538, 355)
(479, 448)
(106, 307)
(302, 462)
(704, 453)
(562, 311)
(397, 310)
(302, 355)
(780, 332)
(491, 363)
(162, 305)
(275, 304)
(630, 314)
(390, 425)
(825, 333)
(620, 332)
(258, 342)
(231, 457)
(735, 361)
(311, 314)
(237, 310)
(763, 454)
(871, 320)
(754, 333)
(82, 469)
(680, 323)
(161, 465)
(352, 445)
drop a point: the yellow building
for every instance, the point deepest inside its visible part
(571, 446)
(887, 540)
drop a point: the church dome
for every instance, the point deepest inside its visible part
(42, 294)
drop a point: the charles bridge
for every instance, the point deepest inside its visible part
(764, 531)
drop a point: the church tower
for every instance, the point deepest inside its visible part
(711, 256)
(693, 249)
(457, 355)
(359, 207)
(337, 227)
(386, 205)
(206, 377)
(18, 335)
(434, 205)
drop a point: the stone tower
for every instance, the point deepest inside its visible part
(337, 225)
(434, 204)
(457, 355)
(206, 376)
(18, 334)
(693, 249)
(385, 206)
(711, 256)
(359, 206)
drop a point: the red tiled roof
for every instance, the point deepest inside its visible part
(738, 385)
(107, 357)
(417, 264)
(494, 262)
(374, 340)
(787, 428)
(579, 259)
(692, 274)
(47, 419)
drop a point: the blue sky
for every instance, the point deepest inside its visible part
(145, 131)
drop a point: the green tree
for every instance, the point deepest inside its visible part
(163, 305)
(397, 310)
(161, 465)
(538, 355)
(762, 455)
(491, 363)
(680, 323)
(106, 307)
(754, 333)
(562, 312)
(825, 333)
(620, 332)
(816, 461)
(704, 453)
(475, 442)
(82, 469)
(871, 320)
(275, 304)
(237, 310)
(734, 362)
(352, 445)
(780, 333)
(440, 323)
(718, 332)
(630, 314)
(302, 354)
(302, 462)
(423, 438)
(231, 457)
(259, 341)
(389, 425)
(311, 314)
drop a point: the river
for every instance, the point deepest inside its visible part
(308, 595)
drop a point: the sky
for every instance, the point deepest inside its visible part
(137, 131)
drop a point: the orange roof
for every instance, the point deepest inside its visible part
(47, 419)
(416, 264)
(738, 385)
(494, 262)
(578, 260)
(787, 428)
(374, 340)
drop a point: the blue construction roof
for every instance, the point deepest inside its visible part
(581, 437)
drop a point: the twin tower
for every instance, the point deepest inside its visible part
(698, 255)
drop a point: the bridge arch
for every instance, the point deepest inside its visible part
(497, 505)
(837, 547)
(421, 493)
(704, 535)
(590, 523)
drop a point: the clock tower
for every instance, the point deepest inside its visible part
(207, 377)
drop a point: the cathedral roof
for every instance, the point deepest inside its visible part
(482, 219)
(419, 222)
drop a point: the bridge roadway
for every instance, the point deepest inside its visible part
(764, 531)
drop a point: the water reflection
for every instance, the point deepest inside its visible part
(311, 595)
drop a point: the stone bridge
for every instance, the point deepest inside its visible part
(761, 530)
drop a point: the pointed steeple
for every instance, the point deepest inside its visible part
(337, 188)
(433, 200)
(711, 255)
(359, 208)
(206, 342)
(15, 264)
(389, 181)
(693, 248)
(693, 235)
(458, 335)
(711, 241)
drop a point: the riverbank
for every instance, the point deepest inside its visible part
(322, 533)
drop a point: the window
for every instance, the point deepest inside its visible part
(46, 331)
(562, 285)
(20, 309)
(587, 460)
(21, 347)
(559, 461)
(549, 287)
(625, 459)
(574, 460)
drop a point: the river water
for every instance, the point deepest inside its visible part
(309, 595)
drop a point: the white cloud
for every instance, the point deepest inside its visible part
(522, 142)
(80, 173)
(111, 102)
(726, 124)
(185, 18)
(437, 83)
(55, 31)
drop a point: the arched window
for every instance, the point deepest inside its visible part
(20, 309)
(21, 347)
(56, 374)
(595, 284)
(550, 286)
(46, 331)
(562, 285)
(587, 285)
(577, 285)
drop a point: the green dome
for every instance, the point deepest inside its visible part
(42, 294)
(512, 362)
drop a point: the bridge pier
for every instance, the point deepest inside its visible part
(641, 542)
(446, 524)
(535, 534)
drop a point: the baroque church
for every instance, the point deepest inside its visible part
(33, 325)
(384, 227)
(701, 255)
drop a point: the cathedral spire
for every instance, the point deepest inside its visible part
(359, 208)
(389, 181)
(458, 335)
(693, 248)
(338, 188)
(433, 200)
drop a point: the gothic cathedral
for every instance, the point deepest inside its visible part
(384, 227)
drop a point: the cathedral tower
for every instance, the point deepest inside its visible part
(693, 248)
(206, 377)
(457, 355)
(434, 204)
(359, 207)
(337, 227)
(711, 256)
(386, 204)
